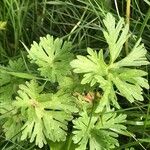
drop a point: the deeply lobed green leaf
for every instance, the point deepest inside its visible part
(99, 131)
(52, 57)
(128, 81)
(46, 115)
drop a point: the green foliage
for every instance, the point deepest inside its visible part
(115, 35)
(136, 57)
(128, 81)
(9, 83)
(12, 126)
(99, 131)
(46, 115)
(52, 57)
(61, 109)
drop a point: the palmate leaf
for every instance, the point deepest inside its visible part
(100, 132)
(46, 115)
(128, 81)
(52, 57)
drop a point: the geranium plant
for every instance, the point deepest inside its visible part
(70, 101)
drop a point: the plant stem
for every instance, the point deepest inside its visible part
(147, 17)
(128, 5)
